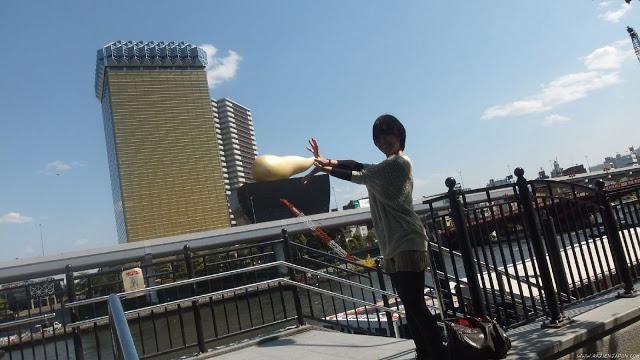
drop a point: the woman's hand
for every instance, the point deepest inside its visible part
(314, 148)
(318, 168)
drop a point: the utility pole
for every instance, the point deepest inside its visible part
(634, 40)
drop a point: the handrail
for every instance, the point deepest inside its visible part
(330, 255)
(127, 294)
(14, 323)
(486, 266)
(253, 234)
(121, 340)
(565, 183)
(238, 288)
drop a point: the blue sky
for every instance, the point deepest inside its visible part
(482, 87)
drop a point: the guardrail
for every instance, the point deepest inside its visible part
(121, 340)
(489, 232)
(532, 248)
(304, 310)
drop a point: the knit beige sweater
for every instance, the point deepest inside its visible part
(390, 187)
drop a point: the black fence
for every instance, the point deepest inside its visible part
(516, 252)
(531, 248)
(196, 301)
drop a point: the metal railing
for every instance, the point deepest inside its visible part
(586, 237)
(303, 310)
(531, 248)
(121, 340)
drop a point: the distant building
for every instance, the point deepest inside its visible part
(237, 144)
(357, 204)
(237, 141)
(557, 170)
(352, 230)
(574, 170)
(620, 161)
(507, 180)
(542, 175)
(635, 151)
(166, 176)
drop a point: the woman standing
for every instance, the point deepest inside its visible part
(401, 236)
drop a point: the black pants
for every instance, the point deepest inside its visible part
(422, 324)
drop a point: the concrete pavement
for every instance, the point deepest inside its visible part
(312, 343)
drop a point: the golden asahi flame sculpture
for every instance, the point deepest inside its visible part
(272, 167)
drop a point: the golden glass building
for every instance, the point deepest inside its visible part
(164, 161)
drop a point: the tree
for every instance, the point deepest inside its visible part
(356, 242)
(198, 266)
(301, 239)
(371, 239)
(162, 271)
(341, 239)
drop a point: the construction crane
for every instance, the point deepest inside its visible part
(634, 40)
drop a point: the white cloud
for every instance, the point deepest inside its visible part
(614, 16)
(59, 166)
(604, 4)
(555, 119)
(15, 218)
(81, 242)
(576, 86)
(601, 65)
(609, 57)
(29, 249)
(562, 90)
(519, 107)
(603, 58)
(219, 69)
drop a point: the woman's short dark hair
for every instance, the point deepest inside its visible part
(389, 125)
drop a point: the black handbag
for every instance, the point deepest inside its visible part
(476, 338)
(469, 337)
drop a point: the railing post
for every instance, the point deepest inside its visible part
(278, 251)
(188, 258)
(615, 242)
(71, 295)
(149, 277)
(469, 263)
(121, 340)
(557, 319)
(296, 296)
(551, 241)
(385, 298)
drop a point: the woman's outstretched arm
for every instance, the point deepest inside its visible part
(338, 168)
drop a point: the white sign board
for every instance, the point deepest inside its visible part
(133, 280)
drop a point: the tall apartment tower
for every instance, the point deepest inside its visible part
(166, 176)
(237, 144)
(236, 139)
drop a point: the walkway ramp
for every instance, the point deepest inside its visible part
(311, 343)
